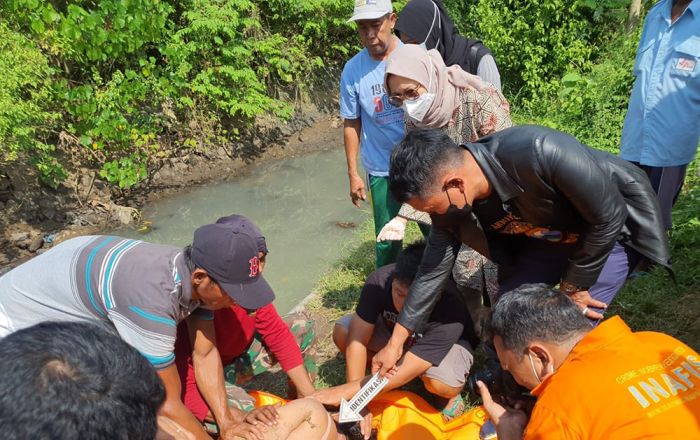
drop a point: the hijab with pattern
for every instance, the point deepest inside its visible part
(427, 21)
(413, 62)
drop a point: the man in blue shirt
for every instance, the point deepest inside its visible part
(371, 124)
(662, 127)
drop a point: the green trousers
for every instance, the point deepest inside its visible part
(384, 208)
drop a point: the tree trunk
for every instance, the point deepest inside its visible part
(633, 17)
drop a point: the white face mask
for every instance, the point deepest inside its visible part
(416, 109)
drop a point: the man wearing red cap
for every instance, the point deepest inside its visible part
(250, 341)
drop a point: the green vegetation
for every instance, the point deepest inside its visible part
(120, 85)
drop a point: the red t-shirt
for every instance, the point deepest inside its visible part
(235, 329)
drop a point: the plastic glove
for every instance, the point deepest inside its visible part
(393, 231)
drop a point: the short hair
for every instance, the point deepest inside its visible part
(73, 381)
(535, 312)
(187, 255)
(408, 262)
(418, 160)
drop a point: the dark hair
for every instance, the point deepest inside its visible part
(408, 262)
(418, 160)
(535, 312)
(72, 380)
(187, 254)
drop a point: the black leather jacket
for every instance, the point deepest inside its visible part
(555, 182)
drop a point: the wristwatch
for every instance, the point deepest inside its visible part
(570, 288)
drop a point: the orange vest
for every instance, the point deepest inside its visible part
(616, 384)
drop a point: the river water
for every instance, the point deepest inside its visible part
(301, 204)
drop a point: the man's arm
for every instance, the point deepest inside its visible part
(510, 423)
(301, 380)
(208, 371)
(173, 408)
(209, 375)
(411, 367)
(359, 335)
(435, 269)
(351, 140)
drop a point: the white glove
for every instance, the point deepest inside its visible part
(393, 231)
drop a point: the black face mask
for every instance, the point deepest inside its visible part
(457, 213)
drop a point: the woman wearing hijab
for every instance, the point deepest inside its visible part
(426, 22)
(466, 108)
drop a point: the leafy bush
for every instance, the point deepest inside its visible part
(136, 80)
(564, 64)
(537, 41)
(132, 82)
(592, 105)
(26, 117)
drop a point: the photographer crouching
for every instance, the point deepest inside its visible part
(590, 383)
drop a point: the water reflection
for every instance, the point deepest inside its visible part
(300, 204)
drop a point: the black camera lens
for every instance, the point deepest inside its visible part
(501, 384)
(486, 376)
(353, 431)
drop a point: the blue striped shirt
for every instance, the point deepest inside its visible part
(662, 126)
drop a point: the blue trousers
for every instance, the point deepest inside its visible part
(544, 263)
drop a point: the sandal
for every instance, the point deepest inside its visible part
(455, 410)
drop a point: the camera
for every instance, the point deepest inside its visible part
(353, 432)
(501, 384)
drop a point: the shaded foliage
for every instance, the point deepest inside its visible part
(133, 79)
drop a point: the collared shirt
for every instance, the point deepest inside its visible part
(363, 96)
(662, 126)
(136, 289)
(618, 385)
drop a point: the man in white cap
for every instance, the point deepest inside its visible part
(372, 124)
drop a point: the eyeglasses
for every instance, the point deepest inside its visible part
(408, 95)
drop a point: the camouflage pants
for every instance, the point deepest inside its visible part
(258, 359)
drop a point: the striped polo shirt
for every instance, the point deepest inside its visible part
(139, 290)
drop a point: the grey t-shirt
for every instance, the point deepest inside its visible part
(134, 288)
(488, 71)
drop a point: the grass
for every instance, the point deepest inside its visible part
(653, 301)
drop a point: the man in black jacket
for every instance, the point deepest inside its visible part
(536, 201)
